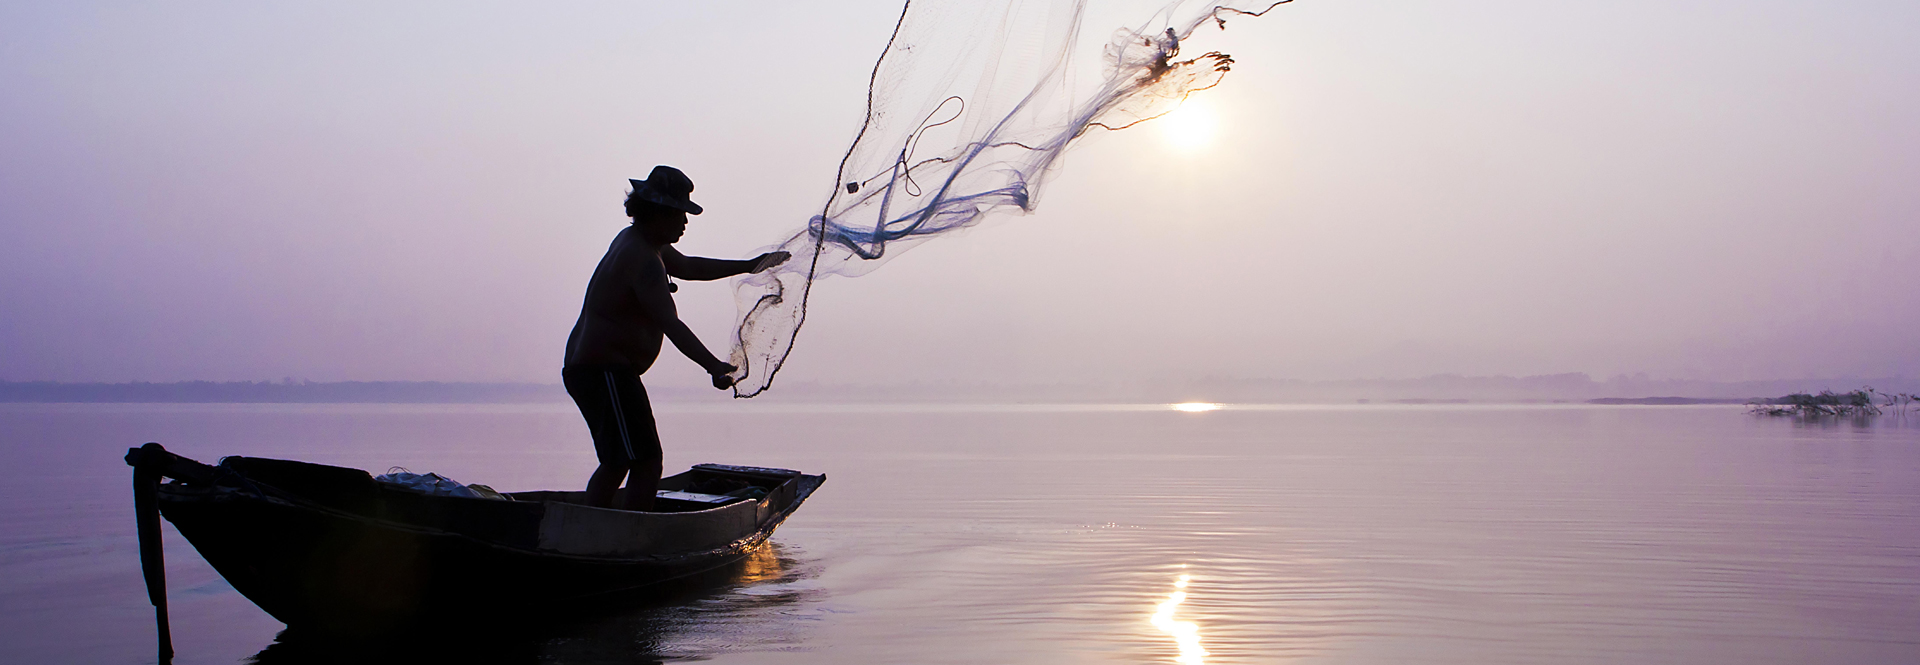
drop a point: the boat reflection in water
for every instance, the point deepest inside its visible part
(747, 606)
(1185, 634)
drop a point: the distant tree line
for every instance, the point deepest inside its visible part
(419, 392)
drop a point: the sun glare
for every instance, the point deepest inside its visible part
(1196, 407)
(1190, 127)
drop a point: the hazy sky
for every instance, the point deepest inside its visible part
(419, 191)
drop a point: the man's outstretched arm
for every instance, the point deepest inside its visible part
(703, 269)
(650, 288)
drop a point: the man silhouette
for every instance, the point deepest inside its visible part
(628, 308)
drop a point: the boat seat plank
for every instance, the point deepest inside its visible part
(696, 497)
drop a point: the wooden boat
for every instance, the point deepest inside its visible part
(329, 549)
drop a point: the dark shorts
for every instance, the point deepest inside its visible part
(615, 406)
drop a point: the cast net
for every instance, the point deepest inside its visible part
(969, 109)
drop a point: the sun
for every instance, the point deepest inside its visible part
(1189, 127)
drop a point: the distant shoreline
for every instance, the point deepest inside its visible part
(437, 392)
(285, 392)
(1672, 401)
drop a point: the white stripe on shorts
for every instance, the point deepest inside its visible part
(619, 415)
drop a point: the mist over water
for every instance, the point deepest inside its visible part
(1047, 534)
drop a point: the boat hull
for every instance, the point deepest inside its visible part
(368, 559)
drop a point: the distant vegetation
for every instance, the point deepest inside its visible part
(1858, 403)
(289, 391)
(1666, 401)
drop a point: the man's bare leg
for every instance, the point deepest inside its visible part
(605, 480)
(642, 482)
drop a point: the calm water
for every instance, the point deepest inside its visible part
(1366, 534)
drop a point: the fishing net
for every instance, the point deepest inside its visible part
(968, 110)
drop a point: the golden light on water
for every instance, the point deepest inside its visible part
(1185, 634)
(763, 564)
(1196, 407)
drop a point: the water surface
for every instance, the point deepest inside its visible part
(1038, 534)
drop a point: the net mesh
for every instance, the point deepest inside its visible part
(969, 108)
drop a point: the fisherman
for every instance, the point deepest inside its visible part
(628, 308)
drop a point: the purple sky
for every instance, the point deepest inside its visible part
(372, 191)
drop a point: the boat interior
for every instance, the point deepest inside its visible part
(702, 487)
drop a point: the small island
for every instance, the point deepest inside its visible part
(1857, 403)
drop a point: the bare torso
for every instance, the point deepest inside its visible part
(612, 328)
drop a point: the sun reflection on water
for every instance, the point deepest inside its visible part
(1185, 634)
(1196, 407)
(762, 565)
